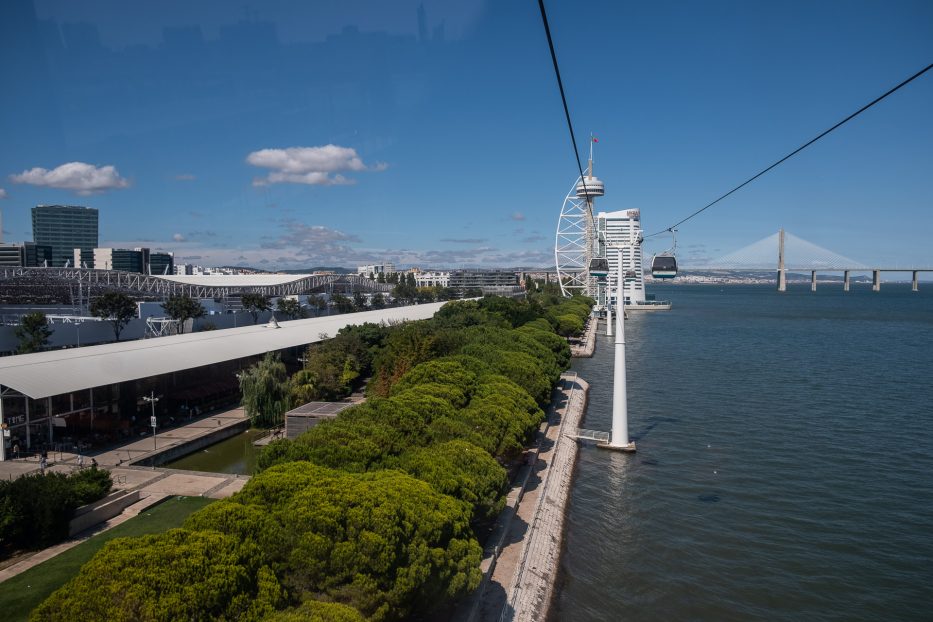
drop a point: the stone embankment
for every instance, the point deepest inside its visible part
(520, 562)
(587, 344)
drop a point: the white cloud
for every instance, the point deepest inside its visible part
(79, 177)
(518, 216)
(3, 194)
(178, 237)
(316, 166)
(185, 177)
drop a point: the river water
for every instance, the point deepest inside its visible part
(784, 467)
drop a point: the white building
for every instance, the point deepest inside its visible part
(613, 228)
(432, 279)
(374, 269)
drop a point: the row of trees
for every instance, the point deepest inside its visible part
(371, 515)
(35, 509)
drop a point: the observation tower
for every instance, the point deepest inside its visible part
(576, 253)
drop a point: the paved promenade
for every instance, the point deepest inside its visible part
(131, 452)
(534, 510)
(587, 345)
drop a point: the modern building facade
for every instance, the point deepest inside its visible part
(613, 229)
(502, 282)
(432, 279)
(374, 269)
(65, 228)
(25, 255)
(140, 260)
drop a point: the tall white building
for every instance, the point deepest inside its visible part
(613, 228)
(432, 279)
(374, 269)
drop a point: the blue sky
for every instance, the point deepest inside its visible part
(290, 135)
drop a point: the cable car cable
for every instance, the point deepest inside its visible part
(563, 97)
(792, 153)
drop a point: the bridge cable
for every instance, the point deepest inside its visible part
(563, 97)
(792, 153)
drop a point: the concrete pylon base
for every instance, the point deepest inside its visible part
(629, 449)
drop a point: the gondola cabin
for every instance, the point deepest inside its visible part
(664, 267)
(599, 268)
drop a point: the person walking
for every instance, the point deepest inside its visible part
(43, 463)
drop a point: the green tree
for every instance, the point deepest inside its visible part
(255, 304)
(359, 301)
(381, 278)
(116, 308)
(318, 611)
(33, 333)
(384, 543)
(342, 303)
(177, 575)
(461, 470)
(318, 302)
(183, 308)
(424, 294)
(265, 391)
(290, 308)
(378, 301)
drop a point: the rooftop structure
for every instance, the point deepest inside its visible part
(96, 390)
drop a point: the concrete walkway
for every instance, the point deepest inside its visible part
(507, 550)
(133, 451)
(587, 345)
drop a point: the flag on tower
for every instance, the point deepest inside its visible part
(595, 140)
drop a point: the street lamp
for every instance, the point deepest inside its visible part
(152, 399)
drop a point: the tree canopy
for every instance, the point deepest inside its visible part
(182, 307)
(115, 307)
(33, 333)
(255, 304)
(265, 391)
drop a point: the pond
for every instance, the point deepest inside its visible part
(234, 455)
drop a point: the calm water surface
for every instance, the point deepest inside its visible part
(237, 455)
(784, 467)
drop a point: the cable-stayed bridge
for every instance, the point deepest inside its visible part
(789, 252)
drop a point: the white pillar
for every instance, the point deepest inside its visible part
(609, 305)
(618, 439)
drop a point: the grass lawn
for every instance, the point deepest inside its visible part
(22, 593)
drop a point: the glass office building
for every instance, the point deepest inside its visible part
(65, 228)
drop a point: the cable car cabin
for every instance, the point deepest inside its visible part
(664, 267)
(599, 267)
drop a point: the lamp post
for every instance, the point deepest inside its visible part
(152, 399)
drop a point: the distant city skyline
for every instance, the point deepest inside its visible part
(286, 135)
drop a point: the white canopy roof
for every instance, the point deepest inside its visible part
(44, 374)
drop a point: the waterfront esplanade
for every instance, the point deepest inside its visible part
(94, 395)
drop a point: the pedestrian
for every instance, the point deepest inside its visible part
(80, 461)
(15, 450)
(93, 463)
(43, 462)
